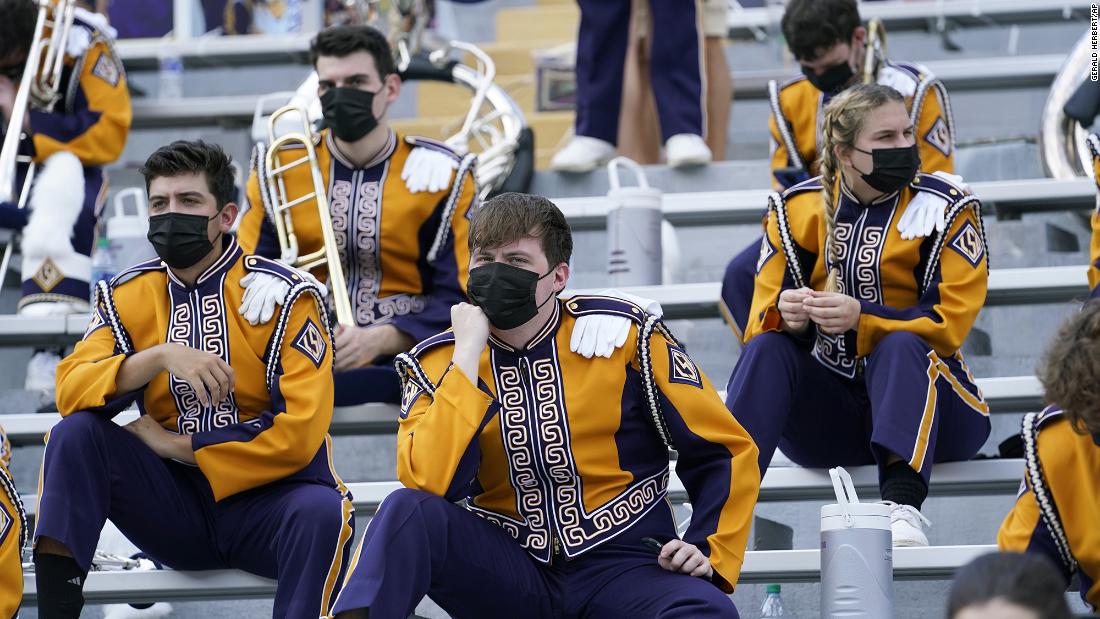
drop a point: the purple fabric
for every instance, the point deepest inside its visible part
(674, 67)
(738, 284)
(785, 398)
(420, 544)
(377, 383)
(94, 469)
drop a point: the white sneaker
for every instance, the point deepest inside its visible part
(685, 149)
(582, 154)
(42, 371)
(907, 525)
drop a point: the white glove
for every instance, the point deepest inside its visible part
(925, 212)
(428, 170)
(262, 293)
(600, 335)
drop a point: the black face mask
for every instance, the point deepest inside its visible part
(891, 168)
(180, 239)
(349, 112)
(835, 79)
(505, 293)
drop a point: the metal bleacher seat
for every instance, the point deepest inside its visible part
(1006, 199)
(764, 566)
(1004, 394)
(781, 483)
(958, 75)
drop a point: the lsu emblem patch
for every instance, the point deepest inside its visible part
(681, 369)
(107, 69)
(940, 137)
(410, 392)
(766, 253)
(95, 323)
(7, 522)
(310, 343)
(968, 243)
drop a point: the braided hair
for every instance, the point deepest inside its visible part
(840, 128)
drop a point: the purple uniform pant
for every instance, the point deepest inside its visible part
(675, 67)
(420, 544)
(784, 397)
(292, 531)
(738, 284)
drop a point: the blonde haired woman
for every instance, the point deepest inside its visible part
(869, 279)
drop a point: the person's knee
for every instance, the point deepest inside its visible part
(405, 501)
(771, 347)
(902, 342)
(81, 427)
(317, 510)
(700, 601)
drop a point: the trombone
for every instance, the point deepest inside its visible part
(39, 85)
(876, 50)
(278, 205)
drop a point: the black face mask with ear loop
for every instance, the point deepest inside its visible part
(349, 112)
(835, 79)
(180, 239)
(505, 293)
(891, 168)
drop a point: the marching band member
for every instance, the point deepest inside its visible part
(229, 464)
(826, 38)
(400, 208)
(71, 140)
(561, 461)
(870, 279)
(1094, 247)
(13, 536)
(1058, 504)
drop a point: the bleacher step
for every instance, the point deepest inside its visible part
(766, 566)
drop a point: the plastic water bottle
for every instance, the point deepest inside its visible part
(773, 606)
(170, 77)
(103, 263)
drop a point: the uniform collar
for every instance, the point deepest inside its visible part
(228, 258)
(383, 155)
(547, 330)
(886, 199)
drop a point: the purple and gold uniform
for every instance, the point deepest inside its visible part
(404, 254)
(797, 108)
(13, 536)
(264, 470)
(90, 120)
(1059, 503)
(561, 464)
(899, 372)
(1094, 245)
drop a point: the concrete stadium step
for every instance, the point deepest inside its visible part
(556, 22)
(768, 566)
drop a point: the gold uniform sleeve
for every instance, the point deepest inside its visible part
(97, 132)
(86, 378)
(285, 438)
(717, 460)
(937, 148)
(949, 306)
(438, 433)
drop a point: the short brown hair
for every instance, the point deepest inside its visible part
(511, 216)
(812, 26)
(1070, 369)
(187, 157)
